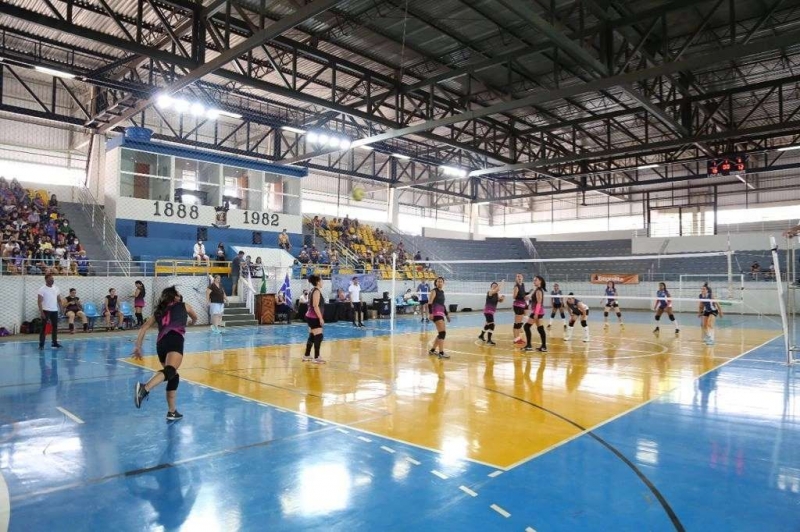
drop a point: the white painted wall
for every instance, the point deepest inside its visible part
(588, 237)
(693, 244)
(430, 232)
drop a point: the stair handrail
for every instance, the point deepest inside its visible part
(103, 228)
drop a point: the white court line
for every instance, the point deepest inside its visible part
(338, 429)
(5, 505)
(70, 415)
(440, 475)
(318, 422)
(415, 462)
(530, 529)
(388, 449)
(362, 438)
(495, 473)
(625, 413)
(468, 491)
(500, 511)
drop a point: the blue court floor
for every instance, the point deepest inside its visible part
(721, 452)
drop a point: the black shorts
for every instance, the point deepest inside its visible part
(535, 316)
(423, 301)
(112, 312)
(519, 311)
(556, 305)
(438, 318)
(172, 342)
(489, 317)
(577, 312)
(313, 323)
(612, 305)
(707, 313)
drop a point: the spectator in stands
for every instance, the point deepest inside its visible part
(417, 256)
(257, 270)
(72, 308)
(770, 275)
(200, 252)
(314, 255)
(220, 255)
(303, 257)
(236, 271)
(341, 297)
(53, 203)
(283, 241)
(324, 223)
(282, 308)
(324, 256)
(346, 223)
(755, 269)
(82, 263)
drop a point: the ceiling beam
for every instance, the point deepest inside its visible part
(286, 23)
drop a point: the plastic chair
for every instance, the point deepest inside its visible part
(126, 309)
(91, 313)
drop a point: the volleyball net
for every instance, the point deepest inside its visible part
(636, 279)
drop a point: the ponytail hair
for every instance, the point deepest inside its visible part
(167, 298)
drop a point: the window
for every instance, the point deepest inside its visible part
(144, 175)
(242, 188)
(197, 182)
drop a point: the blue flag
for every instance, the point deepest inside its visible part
(286, 288)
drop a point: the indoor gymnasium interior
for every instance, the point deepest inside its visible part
(399, 265)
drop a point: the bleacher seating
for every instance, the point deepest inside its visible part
(28, 216)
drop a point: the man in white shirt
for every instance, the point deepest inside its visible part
(49, 298)
(355, 302)
(200, 252)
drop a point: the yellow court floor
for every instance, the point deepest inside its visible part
(496, 405)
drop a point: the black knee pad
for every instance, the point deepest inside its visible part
(527, 327)
(517, 326)
(553, 314)
(173, 383)
(572, 323)
(562, 316)
(658, 317)
(491, 326)
(583, 323)
(441, 335)
(619, 314)
(169, 372)
(605, 314)
(672, 317)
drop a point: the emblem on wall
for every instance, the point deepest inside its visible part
(221, 221)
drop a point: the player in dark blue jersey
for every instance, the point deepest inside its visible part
(709, 310)
(664, 304)
(557, 305)
(612, 304)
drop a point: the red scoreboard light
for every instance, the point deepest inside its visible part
(735, 164)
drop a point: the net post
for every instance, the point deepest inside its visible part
(781, 302)
(394, 287)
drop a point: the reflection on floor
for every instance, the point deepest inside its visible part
(630, 431)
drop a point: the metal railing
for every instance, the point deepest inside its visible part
(103, 228)
(96, 268)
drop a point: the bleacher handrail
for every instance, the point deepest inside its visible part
(103, 227)
(191, 267)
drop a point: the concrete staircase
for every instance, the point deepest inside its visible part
(97, 253)
(236, 315)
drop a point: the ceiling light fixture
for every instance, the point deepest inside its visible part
(54, 72)
(294, 130)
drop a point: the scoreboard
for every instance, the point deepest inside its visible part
(735, 164)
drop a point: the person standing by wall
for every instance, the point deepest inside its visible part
(49, 301)
(236, 271)
(216, 299)
(355, 301)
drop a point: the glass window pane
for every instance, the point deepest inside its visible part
(242, 188)
(144, 187)
(140, 162)
(273, 193)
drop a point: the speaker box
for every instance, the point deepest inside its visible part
(257, 238)
(202, 233)
(140, 229)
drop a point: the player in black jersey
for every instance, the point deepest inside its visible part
(493, 297)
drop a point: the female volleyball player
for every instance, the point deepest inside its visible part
(139, 302)
(438, 315)
(664, 303)
(314, 319)
(577, 309)
(556, 306)
(423, 289)
(490, 307)
(708, 310)
(537, 302)
(519, 305)
(611, 303)
(171, 316)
